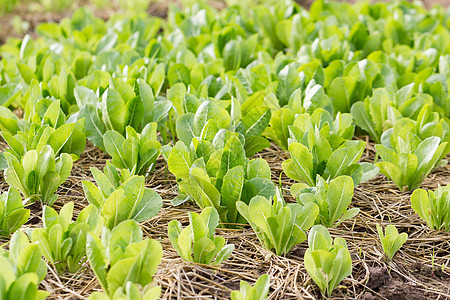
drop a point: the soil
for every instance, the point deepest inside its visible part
(415, 273)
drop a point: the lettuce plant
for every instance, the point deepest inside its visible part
(208, 118)
(12, 213)
(38, 174)
(122, 261)
(218, 174)
(328, 262)
(22, 270)
(131, 291)
(197, 242)
(375, 114)
(62, 241)
(313, 98)
(259, 291)
(336, 131)
(279, 226)
(433, 207)
(120, 107)
(319, 158)
(46, 126)
(391, 240)
(120, 196)
(135, 152)
(410, 162)
(331, 197)
(428, 124)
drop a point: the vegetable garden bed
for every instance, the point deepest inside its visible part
(420, 269)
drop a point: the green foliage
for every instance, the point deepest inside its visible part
(218, 174)
(38, 174)
(22, 270)
(43, 124)
(122, 261)
(411, 161)
(374, 114)
(328, 262)
(279, 226)
(428, 124)
(12, 213)
(62, 241)
(433, 207)
(332, 198)
(122, 104)
(197, 242)
(136, 152)
(121, 196)
(209, 119)
(257, 292)
(391, 240)
(317, 157)
(130, 292)
(336, 131)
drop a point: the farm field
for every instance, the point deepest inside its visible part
(179, 150)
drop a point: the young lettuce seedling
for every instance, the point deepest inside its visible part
(332, 198)
(12, 213)
(124, 262)
(391, 240)
(279, 226)
(248, 120)
(120, 196)
(317, 157)
(136, 152)
(257, 292)
(47, 126)
(22, 269)
(218, 174)
(433, 207)
(62, 241)
(197, 242)
(38, 174)
(411, 161)
(336, 131)
(328, 262)
(121, 105)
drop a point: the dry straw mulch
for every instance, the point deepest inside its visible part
(420, 270)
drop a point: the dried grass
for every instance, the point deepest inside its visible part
(422, 264)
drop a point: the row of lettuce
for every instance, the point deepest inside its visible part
(207, 90)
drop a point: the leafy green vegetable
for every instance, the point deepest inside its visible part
(62, 241)
(44, 124)
(336, 131)
(218, 174)
(279, 226)
(206, 121)
(433, 207)
(119, 107)
(257, 292)
(428, 124)
(375, 114)
(328, 262)
(131, 291)
(332, 198)
(391, 240)
(12, 213)
(136, 152)
(410, 162)
(22, 270)
(317, 157)
(120, 196)
(122, 260)
(197, 242)
(38, 174)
